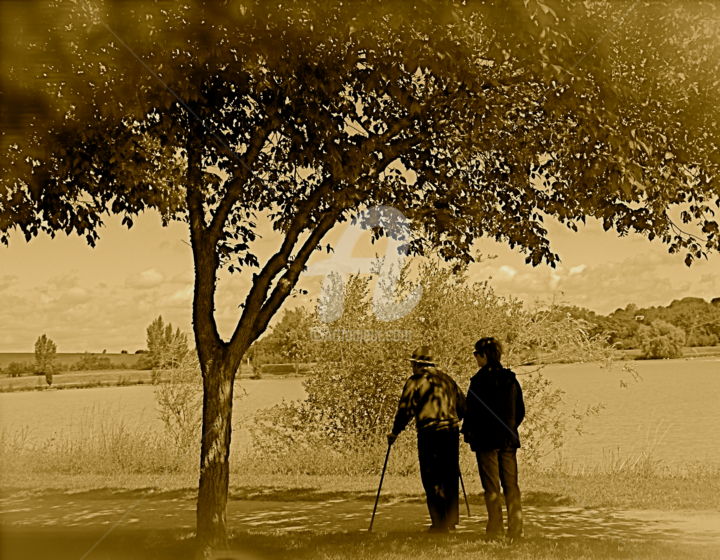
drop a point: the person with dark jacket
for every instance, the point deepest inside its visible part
(437, 404)
(495, 409)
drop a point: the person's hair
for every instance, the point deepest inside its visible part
(491, 348)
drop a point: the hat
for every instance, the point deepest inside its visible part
(422, 355)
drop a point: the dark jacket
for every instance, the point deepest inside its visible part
(495, 409)
(433, 398)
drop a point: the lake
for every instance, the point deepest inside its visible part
(673, 411)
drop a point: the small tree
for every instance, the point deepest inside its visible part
(45, 351)
(166, 348)
(661, 340)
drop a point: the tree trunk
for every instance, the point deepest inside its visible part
(214, 456)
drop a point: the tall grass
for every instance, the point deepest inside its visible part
(97, 444)
(101, 444)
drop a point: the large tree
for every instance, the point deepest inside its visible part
(475, 119)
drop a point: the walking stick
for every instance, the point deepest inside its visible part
(382, 476)
(462, 485)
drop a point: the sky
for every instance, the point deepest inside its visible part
(104, 298)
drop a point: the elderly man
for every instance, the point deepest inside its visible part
(437, 404)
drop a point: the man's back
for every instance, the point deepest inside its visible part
(433, 398)
(495, 409)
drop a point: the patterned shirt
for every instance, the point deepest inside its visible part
(433, 398)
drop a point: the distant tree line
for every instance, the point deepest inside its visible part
(659, 332)
(165, 346)
(47, 362)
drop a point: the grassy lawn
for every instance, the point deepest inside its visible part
(619, 491)
(160, 500)
(169, 544)
(425, 547)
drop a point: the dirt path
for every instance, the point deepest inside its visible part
(87, 519)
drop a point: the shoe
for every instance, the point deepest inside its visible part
(438, 529)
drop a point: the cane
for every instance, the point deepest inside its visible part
(382, 476)
(462, 485)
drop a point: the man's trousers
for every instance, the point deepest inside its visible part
(439, 452)
(499, 467)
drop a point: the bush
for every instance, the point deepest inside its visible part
(16, 369)
(661, 340)
(362, 365)
(89, 362)
(178, 392)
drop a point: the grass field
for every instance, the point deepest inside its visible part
(87, 379)
(63, 358)
(77, 380)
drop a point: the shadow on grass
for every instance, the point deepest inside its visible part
(266, 494)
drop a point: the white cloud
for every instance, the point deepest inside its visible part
(146, 279)
(508, 271)
(183, 295)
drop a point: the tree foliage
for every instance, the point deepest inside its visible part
(661, 340)
(166, 347)
(607, 109)
(289, 341)
(45, 354)
(697, 318)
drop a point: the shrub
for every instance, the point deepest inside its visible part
(362, 365)
(89, 362)
(661, 340)
(178, 392)
(16, 369)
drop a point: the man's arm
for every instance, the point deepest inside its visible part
(406, 407)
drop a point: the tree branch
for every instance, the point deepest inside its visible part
(277, 262)
(243, 170)
(288, 280)
(259, 307)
